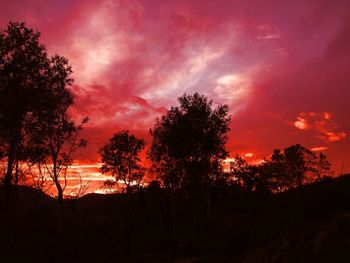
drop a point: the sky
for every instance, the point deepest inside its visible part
(281, 66)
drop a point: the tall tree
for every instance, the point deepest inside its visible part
(187, 150)
(23, 63)
(56, 134)
(120, 157)
(34, 97)
(60, 140)
(188, 142)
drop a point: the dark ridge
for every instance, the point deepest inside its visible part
(306, 224)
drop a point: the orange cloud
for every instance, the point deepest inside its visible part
(333, 136)
(301, 123)
(322, 124)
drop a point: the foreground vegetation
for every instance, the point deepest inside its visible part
(306, 224)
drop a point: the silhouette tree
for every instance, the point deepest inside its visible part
(120, 157)
(323, 167)
(22, 63)
(188, 142)
(247, 175)
(292, 167)
(33, 96)
(109, 184)
(55, 135)
(240, 171)
(188, 147)
(59, 141)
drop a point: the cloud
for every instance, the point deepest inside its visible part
(318, 149)
(301, 123)
(323, 125)
(333, 136)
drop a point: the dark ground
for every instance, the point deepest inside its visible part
(308, 224)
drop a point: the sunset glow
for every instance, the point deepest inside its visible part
(281, 67)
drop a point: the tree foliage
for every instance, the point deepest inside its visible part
(60, 140)
(24, 68)
(120, 157)
(34, 98)
(248, 175)
(34, 103)
(188, 142)
(187, 151)
(292, 167)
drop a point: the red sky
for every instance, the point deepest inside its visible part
(282, 66)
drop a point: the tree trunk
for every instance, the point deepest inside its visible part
(16, 173)
(10, 163)
(59, 190)
(57, 183)
(14, 141)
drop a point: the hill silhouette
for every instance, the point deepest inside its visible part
(306, 224)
